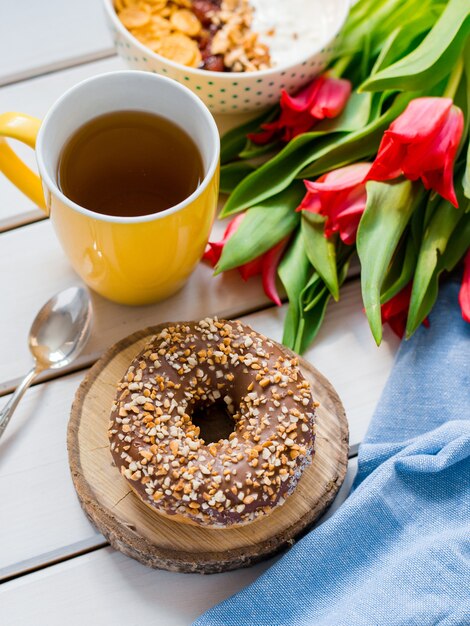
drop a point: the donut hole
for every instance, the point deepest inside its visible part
(214, 421)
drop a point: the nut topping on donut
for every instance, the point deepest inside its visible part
(159, 450)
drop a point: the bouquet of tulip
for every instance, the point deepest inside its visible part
(372, 156)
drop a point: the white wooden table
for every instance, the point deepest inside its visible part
(54, 567)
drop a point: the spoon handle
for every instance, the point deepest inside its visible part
(10, 406)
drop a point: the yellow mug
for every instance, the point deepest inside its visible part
(131, 260)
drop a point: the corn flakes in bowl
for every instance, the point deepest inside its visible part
(236, 55)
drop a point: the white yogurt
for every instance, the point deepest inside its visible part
(299, 27)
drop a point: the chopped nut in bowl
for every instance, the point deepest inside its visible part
(236, 55)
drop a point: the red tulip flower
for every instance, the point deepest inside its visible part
(266, 264)
(323, 97)
(341, 197)
(464, 293)
(395, 311)
(214, 248)
(422, 143)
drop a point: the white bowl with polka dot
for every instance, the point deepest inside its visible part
(231, 92)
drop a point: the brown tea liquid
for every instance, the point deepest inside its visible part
(129, 163)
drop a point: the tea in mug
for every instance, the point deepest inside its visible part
(129, 163)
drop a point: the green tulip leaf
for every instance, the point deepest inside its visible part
(388, 48)
(433, 59)
(400, 271)
(313, 293)
(274, 176)
(408, 29)
(435, 239)
(233, 142)
(457, 245)
(466, 176)
(403, 264)
(232, 174)
(320, 250)
(294, 271)
(409, 14)
(421, 218)
(310, 322)
(312, 315)
(388, 210)
(262, 227)
(355, 115)
(364, 20)
(358, 145)
(277, 174)
(252, 150)
(454, 252)
(310, 293)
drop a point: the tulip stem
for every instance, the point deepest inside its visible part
(454, 80)
(338, 69)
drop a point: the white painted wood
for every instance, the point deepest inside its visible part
(38, 37)
(21, 219)
(35, 97)
(38, 499)
(46, 559)
(37, 264)
(95, 541)
(107, 588)
(33, 450)
(36, 261)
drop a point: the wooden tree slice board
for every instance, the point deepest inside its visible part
(133, 528)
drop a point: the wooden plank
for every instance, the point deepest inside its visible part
(58, 555)
(34, 453)
(21, 219)
(97, 587)
(39, 37)
(95, 541)
(108, 588)
(36, 262)
(33, 450)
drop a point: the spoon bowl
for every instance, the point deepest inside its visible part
(58, 334)
(61, 328)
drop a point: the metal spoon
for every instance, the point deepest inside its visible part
(57, 335)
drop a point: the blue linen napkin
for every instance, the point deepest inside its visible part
(397, 552)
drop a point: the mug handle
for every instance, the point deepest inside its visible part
(24, 128)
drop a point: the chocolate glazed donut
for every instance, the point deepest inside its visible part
(187, 367)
